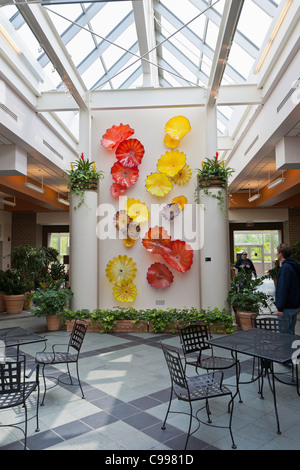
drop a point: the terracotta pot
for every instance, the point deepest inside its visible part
(53, 322)
(2, 303)
(246, 319)
(13, 303)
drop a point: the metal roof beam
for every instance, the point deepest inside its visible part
(42, 27)
(230, 17)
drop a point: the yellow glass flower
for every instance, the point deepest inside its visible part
(158, 184)
(180, 200)
(170, 142)
(120, 269)
(128, 242)
(137, 210)
(125, 292)
(177, 127)
(171, 162)
(183, 176)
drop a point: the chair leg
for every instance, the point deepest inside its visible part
(77, 369)
(190, 425)
(169, 406)
(230, 422)
(44, 379)
(37, 408)
(25, 426)
(70, 377)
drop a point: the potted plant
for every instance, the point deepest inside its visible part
(14, 287)
(273, 273)
(50, 303)
(213, 174)
(246, 299)
(83, 176)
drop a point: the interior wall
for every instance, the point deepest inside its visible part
(149, 125)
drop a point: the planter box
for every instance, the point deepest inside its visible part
(173, 328)
(121, 326)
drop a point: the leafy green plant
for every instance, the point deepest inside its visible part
(160, 319)
(245, 296)
(82, 175)
(296, 251)
(33, 263)
(51, 301)
(13, 283)
(213, 168)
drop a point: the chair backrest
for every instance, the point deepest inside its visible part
(11, 375)
(78, 334)
(193, 338)
(279, 325)
(175, 367)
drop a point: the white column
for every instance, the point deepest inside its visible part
(83, 237)
(214, 254)
(84, 252)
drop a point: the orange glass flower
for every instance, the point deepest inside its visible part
(115, 135)
(180, 200)
(157, 241)
(124, 175)
(181, 257)
(159, 276)
(130, 152)
(158, 184)
(171, 162)
(171, 143)
(178, 127)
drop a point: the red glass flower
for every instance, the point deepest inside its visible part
(117, 189)
(124, 175)
(159, 276)
(181, 256)
(157, 241)
(130, 152)
(115, 135)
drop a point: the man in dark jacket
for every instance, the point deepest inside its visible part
(287, 296)
(245, 263)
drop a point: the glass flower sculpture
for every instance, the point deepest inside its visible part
(117, 189)
(130, 152)
(137, 210)
(125, 291)
(133, 230)
(157, 241)
(170, 211)
(183, 176)
(178, 127)
(171, 162)
(158, 184)
(128, 242)
(124, 175)
(171, 143)
(181, 257)
(180, 200)
(122, 221)
(121, 268)
(159, 276)
(115, 135)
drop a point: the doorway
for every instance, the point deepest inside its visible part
(261, 246)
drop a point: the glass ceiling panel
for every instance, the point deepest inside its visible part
(188, 52)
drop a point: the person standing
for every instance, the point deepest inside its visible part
(245, 263)
(287, 295)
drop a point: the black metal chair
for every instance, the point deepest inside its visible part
(15, 390)
(194, 389)
(69, 356)
(271, 323)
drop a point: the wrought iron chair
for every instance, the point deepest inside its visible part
(194, 389)
(271, 323)
(15, 390)
(70, 355)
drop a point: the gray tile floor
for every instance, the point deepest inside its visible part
(126, 386)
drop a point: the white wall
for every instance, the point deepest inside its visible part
(149, 127)
(5, 239)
